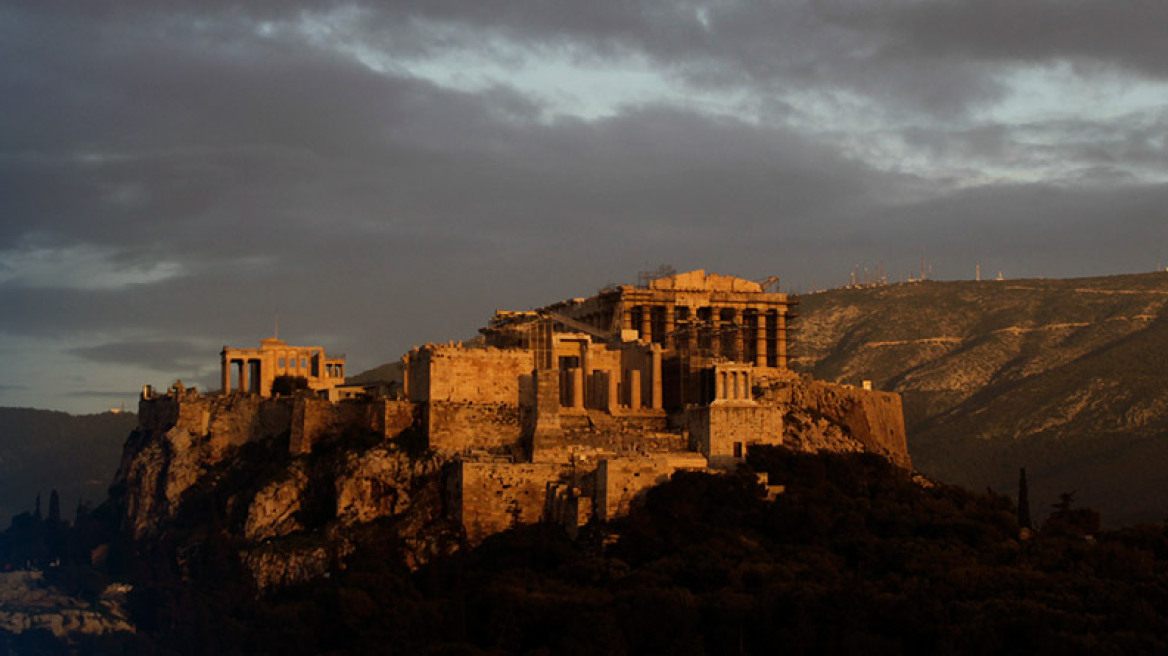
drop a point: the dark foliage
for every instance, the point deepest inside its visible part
(287, 385)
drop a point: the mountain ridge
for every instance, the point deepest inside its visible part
(42, 450)
(1062, 376)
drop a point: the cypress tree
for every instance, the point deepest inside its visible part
(54, 507)
(1023, 501)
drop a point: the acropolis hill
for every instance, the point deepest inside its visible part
(562, 414)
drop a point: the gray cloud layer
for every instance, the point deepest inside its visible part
(191, 169)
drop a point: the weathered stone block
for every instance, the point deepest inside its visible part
(489, 497)
(724, 432)
(620, 482)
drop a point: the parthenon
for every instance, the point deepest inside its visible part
(687, 324)
(699, 314)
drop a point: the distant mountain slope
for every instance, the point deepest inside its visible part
(41, 450)
(1066, 377)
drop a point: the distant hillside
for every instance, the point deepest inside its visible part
(391, 371)
(1066, 377)
(41, 450)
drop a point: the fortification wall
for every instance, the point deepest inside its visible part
(457, 427)
(233, 419)
(488, 497)
(873, 419)
(621, 482)
(314, 420)
(392, 417)
(594, 444)
(469, 375)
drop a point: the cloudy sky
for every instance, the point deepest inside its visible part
(173, 174)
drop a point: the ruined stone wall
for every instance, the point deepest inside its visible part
(724, 432)
(233, 419)
(314, 420)
(873, 419)
(621, 482)
(393, 417)
(489, 497)
(416, 376)
(468, 375)
(457, 427)
(613, 439)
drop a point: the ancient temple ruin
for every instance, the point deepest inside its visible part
(569, 412)
(703, 316)
(577, 407)
(253, 370)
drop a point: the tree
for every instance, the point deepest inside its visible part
(1023, 502)
(54, 507)
(287, 385)
(1066, 519)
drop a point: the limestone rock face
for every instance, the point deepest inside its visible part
(177, 442)
(293, 515)
(804, 431)
(27, 604)
(275, 565)
(830, 417)
(274, 510)
(377, 483)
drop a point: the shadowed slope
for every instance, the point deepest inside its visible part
(1065, 377)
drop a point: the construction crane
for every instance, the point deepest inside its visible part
(770, 284)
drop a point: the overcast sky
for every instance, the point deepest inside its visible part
(174, 174)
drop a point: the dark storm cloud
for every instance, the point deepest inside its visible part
(939, 56)
(249, 152)
(1123, 33)
(211, 164)
(1035, 229)
(512, 209)
(101, 394)
(1132, 140)
(160, 355)
(832, 41)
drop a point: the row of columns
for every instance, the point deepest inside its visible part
(244, 366)
(605, 387)
(716, 328)
(250, 381)
(732, 385)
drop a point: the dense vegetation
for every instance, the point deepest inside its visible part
(856, 556)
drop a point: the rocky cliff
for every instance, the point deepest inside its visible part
(27, 603)
(1064, 377)
(821, 416)
(202, 463)
(230, 471)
